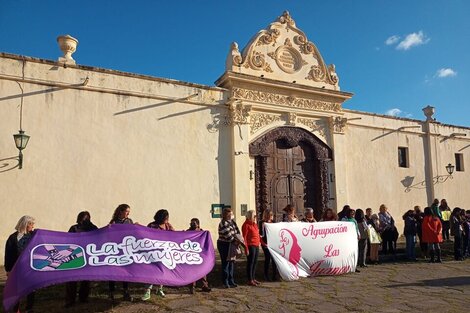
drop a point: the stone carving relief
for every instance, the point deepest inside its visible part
(259, 120)
(316, 126)
(291, 118)
(269, 37)
(290, 101)
(288, 59)
(234, 57)
(238, 113)
(257, 62)
(338, 124)
(285, 18)
(283, 48)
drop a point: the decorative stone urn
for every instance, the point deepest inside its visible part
(429, 112)
(68, 45)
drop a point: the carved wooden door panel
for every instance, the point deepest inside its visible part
(288, 172)
(291, 167)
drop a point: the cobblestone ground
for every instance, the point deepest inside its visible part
(390, 287)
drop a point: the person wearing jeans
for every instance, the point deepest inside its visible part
(362, 240)
(410, 234)
(251, 236)
(268, 217)
(228, 231)
(457, 232)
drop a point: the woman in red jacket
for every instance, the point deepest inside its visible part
(432, 228)
(251, 236)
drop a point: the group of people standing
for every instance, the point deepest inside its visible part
(371, 229)
(24, 229)
(436, 224)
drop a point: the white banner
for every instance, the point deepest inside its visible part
(312, 249)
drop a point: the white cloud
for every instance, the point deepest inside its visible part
(396, 112)
(392, 40)
(413, 40)
(445, 72)
(393, 112)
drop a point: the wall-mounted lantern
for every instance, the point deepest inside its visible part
(21, 140)
(450, 169)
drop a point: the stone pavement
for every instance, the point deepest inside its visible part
(389, 288)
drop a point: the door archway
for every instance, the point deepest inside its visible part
(291, 167)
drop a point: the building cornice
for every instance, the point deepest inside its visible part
(108, 71)
(230, 79)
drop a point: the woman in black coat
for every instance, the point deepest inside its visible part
(13, 248)
(84, 224)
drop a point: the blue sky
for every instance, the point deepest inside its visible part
(395, 56)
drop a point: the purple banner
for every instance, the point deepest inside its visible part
(117, 252)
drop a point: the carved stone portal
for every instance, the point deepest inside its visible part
(317, 160)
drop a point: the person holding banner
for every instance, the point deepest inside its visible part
(308, 218)
(289, 216)
(350, 217)
(194, 225)
(228, 231)
(268, 217)
(251, 236)
(84, 224)
(14, 246)
(161, 221)
(329, 215)
(121, 216)
(344, 212)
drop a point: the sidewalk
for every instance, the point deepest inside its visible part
(392, 287)
(389, 288)
(385, 288)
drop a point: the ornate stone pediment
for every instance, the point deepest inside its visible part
(283, 52)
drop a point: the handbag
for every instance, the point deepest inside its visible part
(235, 252)
(374, 236)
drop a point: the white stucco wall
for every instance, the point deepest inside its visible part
(373, 174)
(92, 149)
(156, 143)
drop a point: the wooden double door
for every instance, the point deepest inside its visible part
(290, 177)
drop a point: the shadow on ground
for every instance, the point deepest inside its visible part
(441, 282)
